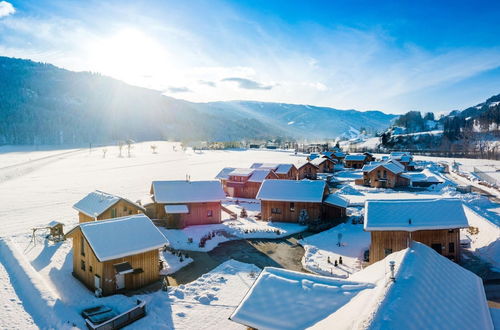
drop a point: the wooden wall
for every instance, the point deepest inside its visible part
(354, 164)
(147, 261)
(398, 240)
(291, 175)
(308, 170)
(392, 180)
(198, 214)
(122, 208)
(287, 215)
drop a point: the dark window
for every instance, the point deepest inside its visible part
(451, 247)
(82, 247)
(125, 209)
(387, 252)
(437, 247)
(90, 269)
(130, 212)
(209, 213)
(275, 211)
(113, 212)
(82, 265)
(292, 207)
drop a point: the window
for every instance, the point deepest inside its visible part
(275, 210)
(210, 213)
(387, 252)
(378, 174)
(451, 247)
(90, 269)
(292, 207)
(125, 209)
(82, 246)
(385, 174)
(82, 265)
(113, 212)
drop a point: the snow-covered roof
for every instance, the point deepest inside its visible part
(97, 202)
(259, 175)
(271, 166)
(285, 299)
(121, 237)
(319, 161)
(242, 172)
(176, 209)
(224, 173)
(424, 176)
(414, 214)
(305, 164)
(355, 157)
(396, 154)
(392, 166)
(177, 192)
(336, 200)
(292, 191)
(430, 292)
(283, 168)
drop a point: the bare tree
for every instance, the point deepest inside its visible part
(153, 148)
(129, 146)
(104, 151)
(120, 147)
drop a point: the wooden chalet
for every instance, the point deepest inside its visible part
(308, 171)
(369, 157)
(393, 224)
(355, 161)
(404, 158)
(385, 174)
(335, 155)
(99, 205)
(289, 200)
(324, 165)
(283, 171)
(117, 255)
(244, 182)
(223, 176)
(187, 203)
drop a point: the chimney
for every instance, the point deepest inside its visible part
(409, 221)
(391, 267)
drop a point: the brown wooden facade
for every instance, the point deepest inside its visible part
(199, 214)
(292, 174)
(444, 241)
(327, 166)
(289, 211)
(380, 177)
(120, 209)
(308, 171)
(242, 187)
(357, 164)
(90, 271)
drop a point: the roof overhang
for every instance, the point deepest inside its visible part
(176, 209)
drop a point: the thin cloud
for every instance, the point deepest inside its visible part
(248, 83)
(6, 9)
(207, 83)
(179, 90)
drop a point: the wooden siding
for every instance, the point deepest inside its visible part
(286, 214)
(198, 214)
(327, 166)
(243, 188)
(376, 179)
(308, 171)
(121, 209)
(399, 240)
(358, 164)
(291, 175)
(147, 261)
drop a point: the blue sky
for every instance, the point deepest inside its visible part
(394, 56)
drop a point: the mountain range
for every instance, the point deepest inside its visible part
(43, 104)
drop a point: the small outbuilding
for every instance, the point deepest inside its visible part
(99, 205)
(117, 255)
(355, 161)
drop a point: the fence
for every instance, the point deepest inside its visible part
(121, 320)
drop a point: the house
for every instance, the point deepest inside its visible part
(425, 291)
(393, 224)
(223, 176)
(385, 174)
(118, 254)
(99, 205)
(283, 171)
(421, 179)
(335, 155)
(369, 157)
(187, 203)
(355, 161)
(405, 158)
(299, 201)
(307, 171)
(245, 183)
(324, 165)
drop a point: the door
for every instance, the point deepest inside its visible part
(437, 247)
(97, 281)
(120, 281)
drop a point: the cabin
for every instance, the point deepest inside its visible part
(324, 165)
(283, 171)
(369, 157)
(423, 179)
(187, 203)
(117, 255)
(386, 174)
(404, 158)
(298, 201)
(308, 171)
(393, 224)
(244, 182)
(355, 161)
(425, 291)
(223, 176)
(338, 156)
(99, 205)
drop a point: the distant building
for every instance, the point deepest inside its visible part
(405, 158)
(244, 182)
(369, 157)
(118, 254)
(355, 161)
(99, 205)
(335, 155)
(324, 165)
(308, 171)
(393, 224)
(283, 171)
(187, 203)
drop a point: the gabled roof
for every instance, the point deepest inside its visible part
(285, 299)
(284, 168)
(392, 166)
(307, 164)
(336, 200)
(355, 157)
(179, 192)
(338, 154)
(97, 202)
(260, 175)
(424, 176)
(271, 166)
(321, 160)
(292, 191)
(414, 214)
(224, 173)
(242, 172)
(121, 237)
(276, 167)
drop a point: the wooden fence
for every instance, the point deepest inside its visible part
(121, 320)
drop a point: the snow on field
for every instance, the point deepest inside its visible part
(321, 247)
(172, 262)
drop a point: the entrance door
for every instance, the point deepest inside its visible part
(97, 281)
(437, 247)
(120, 281)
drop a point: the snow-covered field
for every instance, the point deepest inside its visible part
(36, 187)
